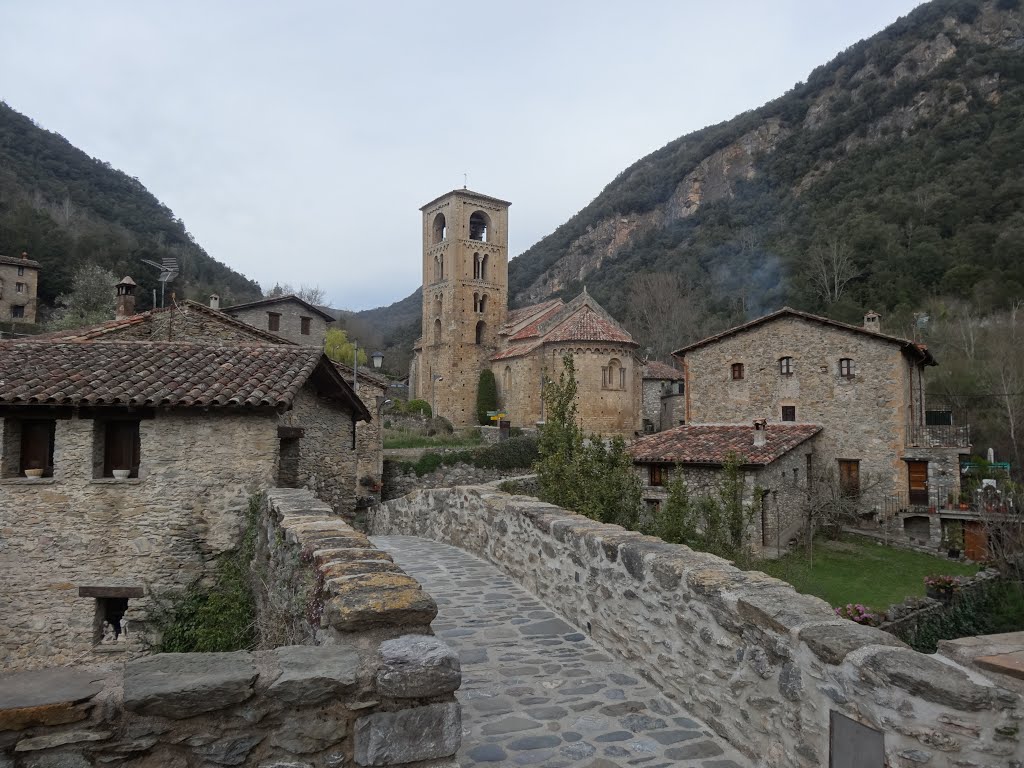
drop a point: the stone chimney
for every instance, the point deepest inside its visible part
(214, 301)
(760, 432)
(24, 255)
(125, 298)
(873, 322)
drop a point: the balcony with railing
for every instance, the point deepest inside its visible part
(938, 436)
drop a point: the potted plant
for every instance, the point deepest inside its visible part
(941, 587)
(859, 613)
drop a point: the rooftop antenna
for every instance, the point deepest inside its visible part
(168, 267)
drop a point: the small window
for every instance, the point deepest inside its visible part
(120, 447)
(304, 326)
(18, 310)
(28, 446)
(19, 287)
(481, 331)
(613, 375)
(109, 626)
(849, 478)
(657, 474)
(789, 413)
(786, 366)
(273, 321)
(737, 371)
(846, 368)
(679, 388)
(439, 267)
(437, 331)
(21, 271)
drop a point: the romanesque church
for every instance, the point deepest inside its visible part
(468, 327)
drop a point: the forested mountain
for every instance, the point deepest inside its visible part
(893, 175)
(65, 209)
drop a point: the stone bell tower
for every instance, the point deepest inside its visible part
(465, 298)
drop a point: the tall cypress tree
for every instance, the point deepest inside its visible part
(486, 396)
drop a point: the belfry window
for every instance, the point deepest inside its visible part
(481, 331)
(439, 267)
(479, 302)
(479, 266)
(440, 231)
(437, 331)
(479, 223)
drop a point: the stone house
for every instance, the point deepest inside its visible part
(468, 328)
(865, 389)
(19, 281)
(773, 458)
(287, 316)
(147, 455)
(664, 397)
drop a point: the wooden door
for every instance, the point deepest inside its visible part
(849, 478)
(917, 472)
(975, 540)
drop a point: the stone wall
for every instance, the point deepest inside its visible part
(763, 665)
(159, 531)
(292, 707)
(398, 481)
(290, 323)
(9, 295)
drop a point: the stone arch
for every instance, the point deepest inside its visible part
(506, 383)
(437, 331)
(479, 226)
(439, 229)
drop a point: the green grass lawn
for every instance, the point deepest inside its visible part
(410, 440)
(857, 570)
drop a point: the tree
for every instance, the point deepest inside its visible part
(486, 396)
(312, 294)
(831, 268)
(91, 300)
(561, 440)
(340, 349)
(676, 521)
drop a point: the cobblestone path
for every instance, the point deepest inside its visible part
(537, 691)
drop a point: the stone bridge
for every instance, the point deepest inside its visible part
(586, 644)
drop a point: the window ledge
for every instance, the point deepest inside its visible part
(115, 481)
(28, 480)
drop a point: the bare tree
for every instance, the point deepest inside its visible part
(665, 310)
(313, 294)
(831, 269)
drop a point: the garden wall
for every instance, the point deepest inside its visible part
(761, 664)
(398, 481)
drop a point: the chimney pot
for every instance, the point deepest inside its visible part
(760, 432)
(24, 255)
(125, 298)
(873, 322)
(214, 301)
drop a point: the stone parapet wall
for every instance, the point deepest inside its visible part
(399, 482)
(296, 706)
(764, 666)
(324, 582)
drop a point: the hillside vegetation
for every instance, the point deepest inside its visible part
(66, 209)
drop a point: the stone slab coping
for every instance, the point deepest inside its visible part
(1011, 664)
(46, 687)
(28, 481)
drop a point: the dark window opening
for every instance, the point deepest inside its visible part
(849, 478)
(437, 331)
(789, 413)
(440, 231)
(846, 368)
(19, 287)
(737, 371)
(288, 463)
(273, 321)
(21, 271)
(657, 474)
(481, 330)
(304, 326)
(109, 626)
(17, 310)
(37, 438)
(786, 366)
(479, 223)
(679, 388)
(120, 448)
(938, 418)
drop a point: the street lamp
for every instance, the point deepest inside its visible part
(377, 358)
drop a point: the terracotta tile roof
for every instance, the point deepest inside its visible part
(279, 300)
(166, 374)
(660, 371)
(533, 329)
(587, 325)
(516, 350)
(110, 328)
(712, 443)
(517, 316)
(468, 193)
(918, 351)
(17, 261)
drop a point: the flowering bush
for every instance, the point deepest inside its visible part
(859, 613)
(942, 583)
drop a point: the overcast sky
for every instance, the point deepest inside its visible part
(297, 140)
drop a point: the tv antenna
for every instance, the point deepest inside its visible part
(168, 267)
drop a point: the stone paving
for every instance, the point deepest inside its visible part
(535, 690)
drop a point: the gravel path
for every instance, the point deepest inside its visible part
(537, 691)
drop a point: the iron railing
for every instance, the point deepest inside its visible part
(931, 500)
(938, 436)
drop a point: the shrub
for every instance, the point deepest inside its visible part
(418, 408)
(942, 583)
(439, 425)
(514, 453)
(486, 396)
(859, 613)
